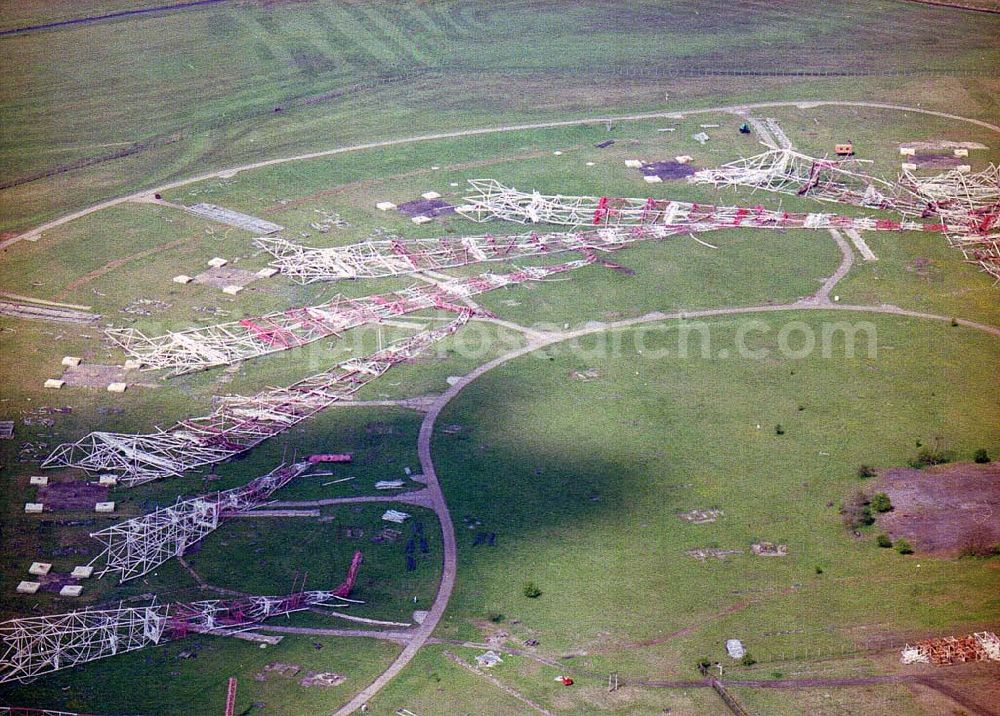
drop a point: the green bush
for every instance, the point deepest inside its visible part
(866, 471)
(880, 502)
(857, 512)
(778, 430)
(531, 590)
(930, 456)
(748, 659)
(883, 541)
(903, 547)
(982, 456)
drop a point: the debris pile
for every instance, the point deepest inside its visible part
(944, 651)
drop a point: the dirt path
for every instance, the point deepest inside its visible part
(416, 497)
(90, 19)
(35, 234)
(112, 265)
(957, 696)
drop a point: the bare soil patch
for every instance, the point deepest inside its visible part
(939, 509)
(225, 276)
(72, 495)
(93, 375)
(938, 161)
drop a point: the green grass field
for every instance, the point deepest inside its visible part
(579, 458)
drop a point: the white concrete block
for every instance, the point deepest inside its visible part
(421, 219)
(182, 279)
(71, 361)
(82, 572)
(557, 153)
(910, 167)
(39, 569)
(217, 262)
(132, 364)
(267, 272)
(117, 387)
(38, 480)
(431, 195)
(104, 507)
(907, 151)
(28, 587)
(683, 159)
(107, 480)
(963, 168)
(652, 179)
(590, 164)
(54, 383)
(70, 590)
(385, 205)
(633, 163)
(961, 152)
(33, 508)
(454, 183)
(232, 290)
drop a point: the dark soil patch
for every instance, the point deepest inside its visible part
(941, 509)
(54, 582)
(225, 276)
(668, 169)
(426, 207)
(92, 375)
(921, 266)
(938, 161)
(72, 495)
(380, 428)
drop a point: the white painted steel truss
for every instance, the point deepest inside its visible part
(41, 645)
(137, 546)
(227, 343)
(238, 423)
(786, 171)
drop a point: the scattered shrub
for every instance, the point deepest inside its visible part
(776, 674)
(930, 456)
(819, 570)
(497, 617)
(748, 659)
(903, 547)
(778, 430)
(883, 541)
(866, 471)
(981, 457)
(857, 512)
(531, 590)
(880, 502)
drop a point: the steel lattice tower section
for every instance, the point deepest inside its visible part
(495, 201)
(840, 181)
(384, 258)
(226, 343)
(621, 221)
(238, 423)
(41, 645)
(970, 204)
(137, 546)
